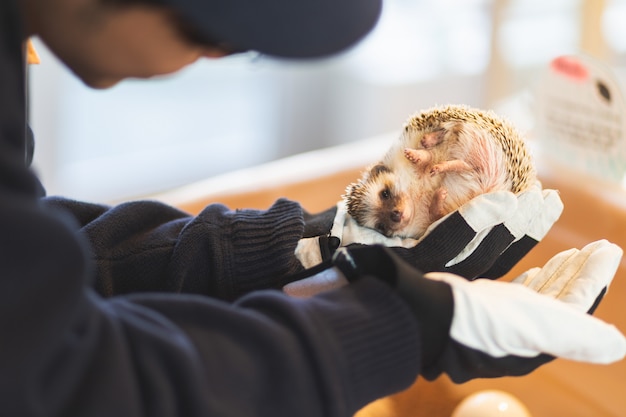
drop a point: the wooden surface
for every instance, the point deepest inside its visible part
(593, 210)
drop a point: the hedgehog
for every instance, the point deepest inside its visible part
(444, 157)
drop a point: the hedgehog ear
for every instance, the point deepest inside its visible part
(378, 169)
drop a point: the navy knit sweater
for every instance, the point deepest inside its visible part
(142, 310)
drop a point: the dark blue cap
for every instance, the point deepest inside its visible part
(282, 28)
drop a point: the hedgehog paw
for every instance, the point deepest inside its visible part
(455, 165)
(417, 156)
(437, 210)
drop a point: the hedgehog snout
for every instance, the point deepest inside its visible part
(395, 216)
(388, 221)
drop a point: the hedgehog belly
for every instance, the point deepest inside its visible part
(469, 151)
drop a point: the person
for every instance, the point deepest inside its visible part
(140, 309)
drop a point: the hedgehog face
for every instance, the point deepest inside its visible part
(379, 202)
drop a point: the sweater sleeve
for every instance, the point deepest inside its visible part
(68, 351)
(149, 246)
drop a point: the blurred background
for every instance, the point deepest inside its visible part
(143, 137)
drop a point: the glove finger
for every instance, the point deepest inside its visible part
(539, 281)
(501, 319)
(538, 211)
(530, 205)
(577, 277)
(488, 210)
(526, 278)
(538, 227)
(481, 253)
(449, 237)
(551, 210)
(575, 335)
(436, 249)
(492, 236)
(510, 257)
(589, 272)
(481, 213)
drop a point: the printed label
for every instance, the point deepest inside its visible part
(581, 118)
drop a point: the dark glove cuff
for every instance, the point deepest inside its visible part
(430, 301)
(250, 249)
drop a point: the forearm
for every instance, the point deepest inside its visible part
(324, 360)
(189, 355)
(69, 351)
(149, 246)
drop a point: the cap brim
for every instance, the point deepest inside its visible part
(283, 28)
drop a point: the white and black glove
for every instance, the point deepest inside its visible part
(485, 237)
(485, 328)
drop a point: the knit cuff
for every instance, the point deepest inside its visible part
(256, 248)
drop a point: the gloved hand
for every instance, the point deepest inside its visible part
(487, 328)
(485, 237)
